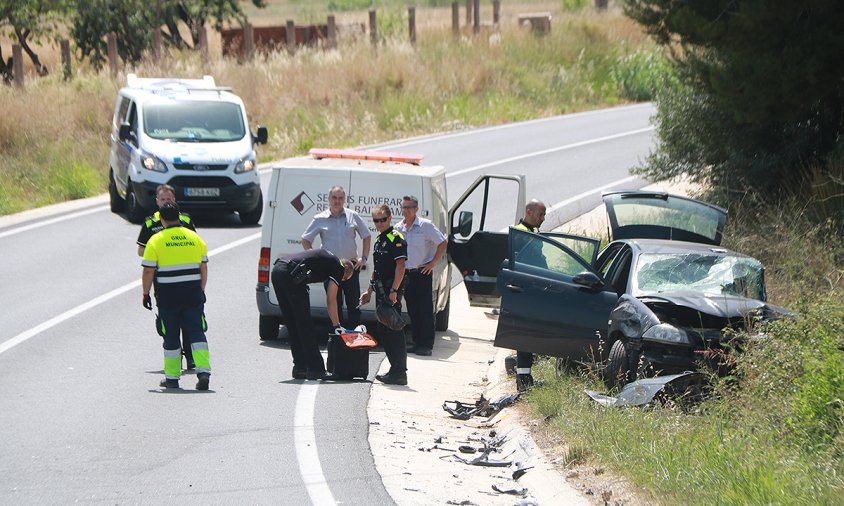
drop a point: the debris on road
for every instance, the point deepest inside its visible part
(482, 407)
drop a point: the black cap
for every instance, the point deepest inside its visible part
(169, 211)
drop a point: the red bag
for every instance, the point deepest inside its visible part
(358, 340)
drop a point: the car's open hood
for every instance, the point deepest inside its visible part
(723, 306)
(652, 215)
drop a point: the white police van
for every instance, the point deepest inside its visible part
(299, 189)
(190, 134)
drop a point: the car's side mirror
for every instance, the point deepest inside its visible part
(126, 134)
(464, 224)
(589, 280)
(261, 136)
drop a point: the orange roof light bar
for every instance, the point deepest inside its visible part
(354, 154)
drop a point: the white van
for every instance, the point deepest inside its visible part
(187, 133)
(299, 189)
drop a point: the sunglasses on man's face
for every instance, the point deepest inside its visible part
(381, 220)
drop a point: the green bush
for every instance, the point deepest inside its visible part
(640, 74)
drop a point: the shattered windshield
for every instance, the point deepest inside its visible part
(194, 121)
(710, 274)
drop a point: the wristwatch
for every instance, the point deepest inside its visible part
(364, 258)
(393, 290)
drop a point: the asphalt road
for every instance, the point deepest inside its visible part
(81, 413)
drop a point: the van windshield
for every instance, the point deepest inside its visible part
(194, 121)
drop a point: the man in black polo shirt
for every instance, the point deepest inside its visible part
(387, 282)
(291, 276)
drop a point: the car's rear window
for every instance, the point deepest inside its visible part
(194, 121)
(711, 274)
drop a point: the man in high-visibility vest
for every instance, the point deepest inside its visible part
(534, 216)
(176, 260)
(165, 194)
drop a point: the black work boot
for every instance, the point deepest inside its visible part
(392, 378)
(169, 383)
(297, 373)
(524, 382)
(202, 380)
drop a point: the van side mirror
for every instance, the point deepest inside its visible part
(589, 280)
(464, 224)
(261, 136)
(126, 134)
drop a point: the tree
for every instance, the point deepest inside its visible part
(29, 20)
(131, 20)
(761, 95)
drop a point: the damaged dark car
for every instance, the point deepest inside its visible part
(663, 297)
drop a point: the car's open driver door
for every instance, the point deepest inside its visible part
(478, 229)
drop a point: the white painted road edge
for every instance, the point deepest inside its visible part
(304, 440)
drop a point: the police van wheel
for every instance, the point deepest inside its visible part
(268, 327)
(115, 201)
(134, 212)
(441, 319)
(252, 217)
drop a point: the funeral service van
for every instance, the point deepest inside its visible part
(298, 190)
(190, 134)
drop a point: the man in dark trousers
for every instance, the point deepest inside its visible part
(387, 279)
(533, 219)
(175, 259)
(165, 194)
(426, 245)
(290, 277)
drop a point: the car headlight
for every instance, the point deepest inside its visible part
(246, 165)
(666, 333)
(152, 163)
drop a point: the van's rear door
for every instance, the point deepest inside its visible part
(300, 194)
(478, 229)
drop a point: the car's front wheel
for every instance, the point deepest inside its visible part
(252, 217)
(622, 366)
(135, 213)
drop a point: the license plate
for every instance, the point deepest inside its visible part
(202, 192)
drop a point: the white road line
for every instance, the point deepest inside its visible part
(304, 440)
(54, 220)
(550, 150)
(482, 130)
(52, 322)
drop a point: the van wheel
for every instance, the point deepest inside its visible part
(441, 320)
(134, 212)
(252, 217)
(268, 327)
(115, 201)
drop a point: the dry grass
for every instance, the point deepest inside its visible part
(355, 95)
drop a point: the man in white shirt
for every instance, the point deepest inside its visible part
(425, 248)
(337, 227)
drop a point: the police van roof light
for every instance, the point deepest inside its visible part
(354, 154)
(167, 84)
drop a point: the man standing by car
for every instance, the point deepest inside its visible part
(290, 278)
(337, 227)
(165, 194)
(175, 259)
(532, 220)
(388, 283)
(425, 247)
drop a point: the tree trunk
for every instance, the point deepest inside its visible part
(39, 67)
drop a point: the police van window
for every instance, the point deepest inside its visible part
(120, 117)
(194, 120)
(133, 122)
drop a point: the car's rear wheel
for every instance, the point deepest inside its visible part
(252, 217)
(268, 327)
(115, 201)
